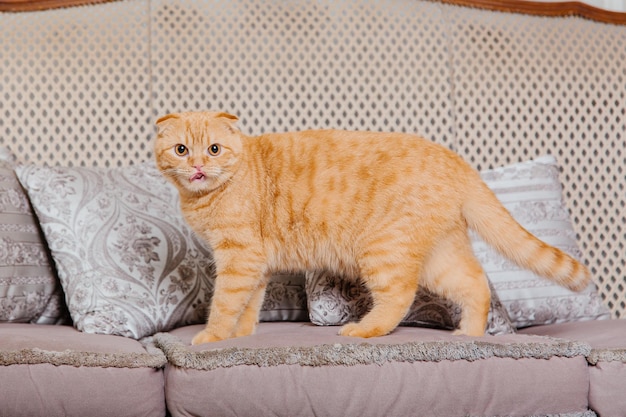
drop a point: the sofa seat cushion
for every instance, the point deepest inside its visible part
(58, 371)
(607, 371)
(302, 369)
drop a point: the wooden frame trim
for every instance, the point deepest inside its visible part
(560, 9)
(538, 8)
(38, 5)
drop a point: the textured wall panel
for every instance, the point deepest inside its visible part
(287, 65)
(526, 86)
(75, 85)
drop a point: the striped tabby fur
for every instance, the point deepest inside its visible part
(391, 208)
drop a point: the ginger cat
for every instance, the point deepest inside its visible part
(391, 208)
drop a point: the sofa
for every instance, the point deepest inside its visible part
(103, 285)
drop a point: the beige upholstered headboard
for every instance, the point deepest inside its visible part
(83, 85)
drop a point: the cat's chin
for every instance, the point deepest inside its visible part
(198, 187)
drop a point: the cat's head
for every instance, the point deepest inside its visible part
(198, 151)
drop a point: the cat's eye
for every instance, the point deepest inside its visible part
(181, 150)
(214, 149)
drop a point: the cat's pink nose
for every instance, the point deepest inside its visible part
(198, 167)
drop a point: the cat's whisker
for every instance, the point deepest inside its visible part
(213, 172)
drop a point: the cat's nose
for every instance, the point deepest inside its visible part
(198, 167)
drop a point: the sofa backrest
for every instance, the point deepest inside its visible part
(83, 86)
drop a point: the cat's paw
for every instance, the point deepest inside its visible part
(245, 331)
(358, 330)
(204, 337)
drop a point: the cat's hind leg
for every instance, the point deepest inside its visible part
(392, 281)
(453, 272)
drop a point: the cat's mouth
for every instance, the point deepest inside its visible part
(198, 176)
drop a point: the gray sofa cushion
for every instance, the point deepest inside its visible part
(607, 360)
(302, 369)
(58, 371)
(29, 288)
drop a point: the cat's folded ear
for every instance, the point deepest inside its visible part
(161, 125)
(167, 117)
(227, 116)
(231, 119)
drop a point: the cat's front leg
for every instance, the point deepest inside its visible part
(250, 316)
(237, 285)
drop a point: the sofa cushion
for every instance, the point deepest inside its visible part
(30, 291)
(302, 369)
(128, 262)
(58, 371)
(607, 359)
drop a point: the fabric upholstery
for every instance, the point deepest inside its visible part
(99, 387)
(607, 367)
(499, 385)
(30, 291)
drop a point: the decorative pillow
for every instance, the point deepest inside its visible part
(29, 288)
(128, 262)
(531, 191)
(285, 299)
(335, 301)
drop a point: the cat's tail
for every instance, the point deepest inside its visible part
(485, 214)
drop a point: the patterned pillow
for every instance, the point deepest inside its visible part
(285, 299)
(128, 262)
(29, 287)
(531, 191)
(334, 301)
